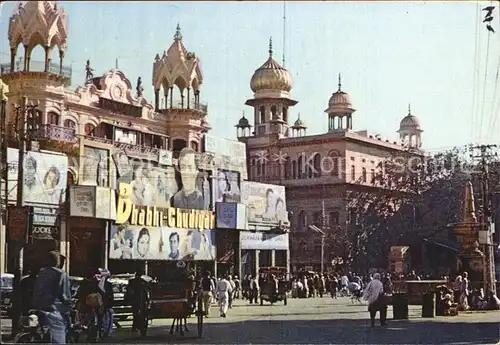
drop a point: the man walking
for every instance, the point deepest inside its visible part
(223, 291)
(52, 296)
(208, 287)
(254, 289)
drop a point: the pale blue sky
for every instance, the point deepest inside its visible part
(389, 53)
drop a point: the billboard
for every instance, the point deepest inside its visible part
(263, 241)
(95, 167)
(226, 154)
(45, 177)
(266, 202)
(132, 242)
(184, 185)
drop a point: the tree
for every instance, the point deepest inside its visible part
(412, 197)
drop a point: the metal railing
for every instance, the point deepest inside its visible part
(192, 105)
(36, 66)
(53, 132)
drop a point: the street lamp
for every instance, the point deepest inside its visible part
(322, 233)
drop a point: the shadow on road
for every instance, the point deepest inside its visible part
(338, 331)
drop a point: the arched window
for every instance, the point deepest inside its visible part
(335, 168)
(274, 113)
(89, 129)
(317, 218)
(34, 120)
(285, 114)
(363, 174)
(317, 165)
(177, 146)
(262, 114)
(302, 219)
(300, 167)
(288, 168)
(353, 173)
(294, 169)
(194, 145)
(53, 118)
(334, 218)
(69, 123)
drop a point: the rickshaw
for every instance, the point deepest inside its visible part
(266, 289)
(178, 299)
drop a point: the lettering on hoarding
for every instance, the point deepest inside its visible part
(160, 217)
(84, 200)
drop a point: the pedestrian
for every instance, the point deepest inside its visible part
(52, 297)
(223, 291)
(208, 287)
(254, 289)
(237, 285)
(333, 287)
(106, 290)
(374, 293)
(137, 297)
(233, 290)
(464, 292)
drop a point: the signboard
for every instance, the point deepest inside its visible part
(129, 242)
(263, 241)
(225, 154)
(230, 216)
(266, 202)
(160, 217)
(82, 201)
(119, 107)
(165, 157)
(92, 202)
(45, 177)
(17, 223)
(44, 216)
(43, 232)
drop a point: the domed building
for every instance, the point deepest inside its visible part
(320, 169)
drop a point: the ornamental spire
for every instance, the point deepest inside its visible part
(178, 34)
(270, 47)
(340, 82)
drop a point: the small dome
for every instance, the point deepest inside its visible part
(298, 123)
(243, 122)
(340, 98)
(271, 76)
(409, 121)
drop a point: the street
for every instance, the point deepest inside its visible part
(322, 321)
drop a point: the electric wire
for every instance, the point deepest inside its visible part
(484, 86)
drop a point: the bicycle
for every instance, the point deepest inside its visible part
(35, 332)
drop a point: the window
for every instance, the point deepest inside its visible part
(334, 218)
(124, 136)
(53, 118)
(353, 217)
(262, 115)
(69, 123)
(288, 168)
(317, 218)
(302, 219)
(335, 168)
(317, 165)
(353, 172)
(274, 112)
(294, 169)
(363, 174)
(89, 129)
(373, 175)
(34, 120)
(194, 145)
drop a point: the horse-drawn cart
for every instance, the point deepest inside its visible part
(268, 290)
(176, 301)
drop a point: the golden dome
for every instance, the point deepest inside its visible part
(271, 76)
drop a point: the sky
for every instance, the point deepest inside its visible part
(432, 55)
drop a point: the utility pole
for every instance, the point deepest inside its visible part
(486, 221)
(24, 113)
(322, 233)
(3, 175)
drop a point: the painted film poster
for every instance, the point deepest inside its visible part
(266, 202)
(153, 243)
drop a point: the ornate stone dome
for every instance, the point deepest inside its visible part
(243, 122)
(299, 123)
(409, 121)
(340, 98)
(271, 76)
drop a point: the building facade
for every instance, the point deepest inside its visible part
(84, 145)
(320, 170)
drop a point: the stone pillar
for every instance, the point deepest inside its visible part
(61, 58)
(157, 99)
(3, 245)
(12, 60)
(26, 58)
(257, 262)
(64, 238)
(47, 59)
(182, 98)
(171, 97)
(273, 258)
(188, 96)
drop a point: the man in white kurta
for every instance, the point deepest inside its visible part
(223, 291)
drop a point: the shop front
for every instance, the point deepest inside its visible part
(91, 209)
(259, 249)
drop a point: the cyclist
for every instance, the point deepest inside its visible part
(52, 297)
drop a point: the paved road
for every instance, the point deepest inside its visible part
(323, 321)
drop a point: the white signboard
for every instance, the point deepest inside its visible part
(105, 203)
(263, 241)
(82, 201)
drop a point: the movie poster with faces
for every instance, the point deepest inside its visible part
(168, 244)
(183, 185)
(227, 186)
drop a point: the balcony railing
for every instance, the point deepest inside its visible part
(55, 133)
(36, 66)
(192, 105)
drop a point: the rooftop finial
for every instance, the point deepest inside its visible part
(340, 82)
(243, 114)
(270, 47)
(298, 116)
(178, 34)
(409, 108)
